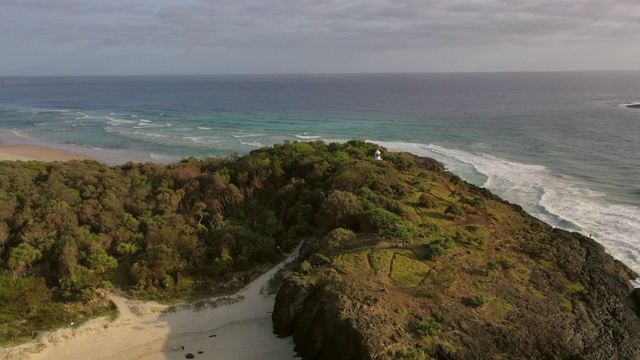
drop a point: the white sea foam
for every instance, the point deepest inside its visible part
(560, 201)
(164, 159)
(204, 128)
(23, 135)
(246, 135)
(116, 122)
(204, 140)
(135, 133)
(308, 137)
(625, 105)
(253, 143)
(148, 125)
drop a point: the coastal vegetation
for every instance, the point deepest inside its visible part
(71, 232)
(401, 259)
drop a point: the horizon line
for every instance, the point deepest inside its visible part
(324, 73)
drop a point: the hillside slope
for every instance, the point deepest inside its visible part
(488, 282)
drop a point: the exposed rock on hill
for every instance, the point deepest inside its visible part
(496, 283)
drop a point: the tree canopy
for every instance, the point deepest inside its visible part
(180, 230)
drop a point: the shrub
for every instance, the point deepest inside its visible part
(318, 259)
(430, 251)
(338, 237)
(427, 201)
(429, 327)
(455, 210)
(480, 300)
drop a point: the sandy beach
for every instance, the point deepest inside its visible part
(238, 328)
(13, 147)
(40, 153)
(23, 148)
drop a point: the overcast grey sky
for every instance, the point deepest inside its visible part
(122, 37)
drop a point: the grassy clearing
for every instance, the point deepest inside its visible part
(352, 263)
(497, 309)
(407, 272)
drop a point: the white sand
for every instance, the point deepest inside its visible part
(242, 330)
(32, 152)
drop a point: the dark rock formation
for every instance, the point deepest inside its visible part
(575, 303)
(603, 323)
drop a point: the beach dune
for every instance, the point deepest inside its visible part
(238, 328)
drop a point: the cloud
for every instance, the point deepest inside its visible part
(339, 28)
(363, 25)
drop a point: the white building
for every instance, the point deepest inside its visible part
(376, 155)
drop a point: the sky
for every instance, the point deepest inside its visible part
(175, 37)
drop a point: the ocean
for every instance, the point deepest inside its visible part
(560, 144)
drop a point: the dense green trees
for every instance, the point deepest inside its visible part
(67, 229)
(338, 237)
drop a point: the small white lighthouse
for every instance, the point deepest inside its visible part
(376, 155)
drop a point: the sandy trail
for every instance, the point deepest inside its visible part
(236, 330)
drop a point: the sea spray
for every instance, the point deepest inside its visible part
(558, 200)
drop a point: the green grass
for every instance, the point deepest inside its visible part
(575, 288)
(352, 263)
(407, 272)
(497, 309)
(566, 304)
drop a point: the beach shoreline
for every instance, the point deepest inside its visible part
(239, 328)
(15, 147)
(36, 153)
(18, 148)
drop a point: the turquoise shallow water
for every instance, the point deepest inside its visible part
(559, 144)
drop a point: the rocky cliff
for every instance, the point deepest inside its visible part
(494, 284)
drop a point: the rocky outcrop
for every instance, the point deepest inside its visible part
(508, 286)
(581, 306)
(601, 324)
(311, 313)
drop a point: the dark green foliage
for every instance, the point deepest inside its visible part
(177, 231)
(479, 300)
(435, 249)
(477, 203)
(429, 327)
(388, 225)
(378, 220)
(337, 238)
(455, 210)
(340, 209)
(427, 201)
(318, 259)
(401, 162)
(306, 267)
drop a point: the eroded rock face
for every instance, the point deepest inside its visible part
(312, 314)
(289, 304)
